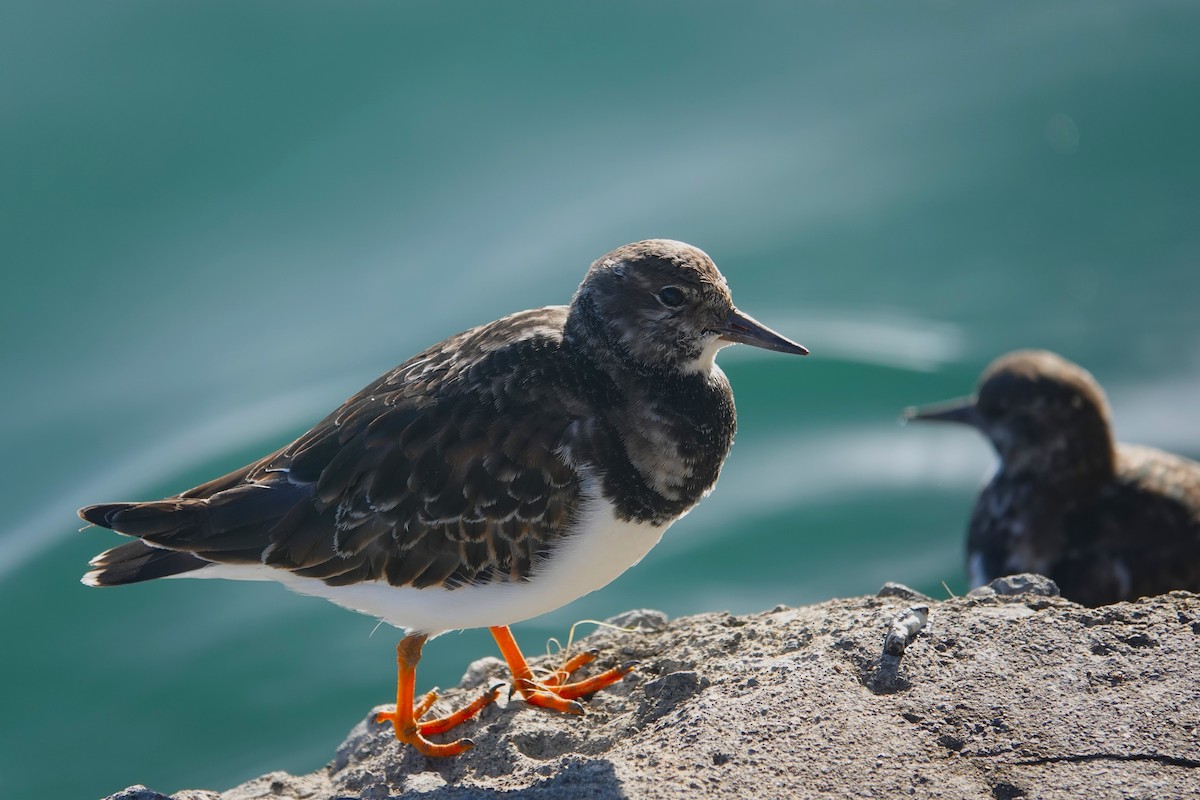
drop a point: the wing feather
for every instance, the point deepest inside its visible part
(448, 470)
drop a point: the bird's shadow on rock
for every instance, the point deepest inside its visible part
(575, 779)
(883, 676)
(371, 758)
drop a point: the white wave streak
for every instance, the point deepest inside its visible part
(888, 338)
(808, 469)
(120, 478)
(1160, 414)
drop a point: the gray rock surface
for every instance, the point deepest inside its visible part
(998, 696)
(1025, 583)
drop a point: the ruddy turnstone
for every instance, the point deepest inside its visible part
(1106, 521)
(495, 476)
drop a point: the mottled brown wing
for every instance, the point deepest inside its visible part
(449, 470)
(1145, 529)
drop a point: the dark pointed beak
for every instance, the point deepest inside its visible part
(745, 329)
(962, 411)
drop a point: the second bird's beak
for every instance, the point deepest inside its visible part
(962, 410)
(745, 329)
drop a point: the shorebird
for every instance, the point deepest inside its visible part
(1106, 521)
(497, 475)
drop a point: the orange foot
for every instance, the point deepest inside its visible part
(406, 718)
(555, 692)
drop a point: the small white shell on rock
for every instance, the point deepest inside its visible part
(905, 627)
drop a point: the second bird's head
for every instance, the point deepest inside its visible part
(1043, 414)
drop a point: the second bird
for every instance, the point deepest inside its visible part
(1106, 521)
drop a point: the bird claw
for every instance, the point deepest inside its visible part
(557, 694)
(413, 731)
(549, 698)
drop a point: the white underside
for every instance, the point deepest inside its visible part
(599, 549)
(975, 574)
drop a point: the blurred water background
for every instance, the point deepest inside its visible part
(219, 219)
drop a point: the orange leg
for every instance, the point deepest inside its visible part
(554, 692)
(563, 673)
(405, 719)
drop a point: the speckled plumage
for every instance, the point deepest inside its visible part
(1106, 521)
(470, 463)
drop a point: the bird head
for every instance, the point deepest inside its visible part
(663, 305)
(1042, 414)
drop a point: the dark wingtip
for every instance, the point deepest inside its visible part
(102, 514)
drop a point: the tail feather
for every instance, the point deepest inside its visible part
(183, 534)
(135, 562)
(146, 520)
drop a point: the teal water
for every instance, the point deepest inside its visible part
(218, 220)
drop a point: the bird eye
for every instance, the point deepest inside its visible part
(671, 296)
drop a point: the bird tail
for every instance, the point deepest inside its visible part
(183, 534)
(135, 562)
(143, 519)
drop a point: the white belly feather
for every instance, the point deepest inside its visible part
(599, 549)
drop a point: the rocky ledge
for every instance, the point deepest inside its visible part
(1009, 692)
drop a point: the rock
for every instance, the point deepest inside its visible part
(645, 619)
(892, 589)
(483, 670)
(138, 792)
(1023, 695)
(1012, 585)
